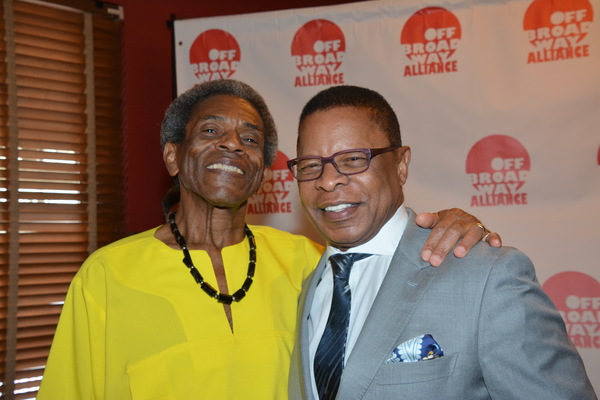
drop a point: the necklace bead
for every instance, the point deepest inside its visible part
(206, 287)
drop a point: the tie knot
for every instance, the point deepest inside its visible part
(341, 263)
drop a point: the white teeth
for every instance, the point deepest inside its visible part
(337, 208)
(225, 167)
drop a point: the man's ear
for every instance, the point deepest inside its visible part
(170, 158)
(403, 164)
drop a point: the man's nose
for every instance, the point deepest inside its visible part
(330, 178)
(231, 142)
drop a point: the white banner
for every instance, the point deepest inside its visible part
(498, 99)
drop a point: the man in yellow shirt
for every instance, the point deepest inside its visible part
(137, 325)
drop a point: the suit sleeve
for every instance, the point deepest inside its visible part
(524, 349)
(75, 366)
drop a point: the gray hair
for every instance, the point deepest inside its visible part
(178, 114)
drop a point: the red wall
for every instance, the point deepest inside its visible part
(148, 90)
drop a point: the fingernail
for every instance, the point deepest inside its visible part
(426, 254)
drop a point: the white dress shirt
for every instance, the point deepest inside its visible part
(366, 277)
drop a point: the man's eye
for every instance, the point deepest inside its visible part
(354, 159)
(309, 166)
(210, 130)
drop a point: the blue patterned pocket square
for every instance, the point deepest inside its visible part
(421, 348)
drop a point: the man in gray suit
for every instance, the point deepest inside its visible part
(480, 327)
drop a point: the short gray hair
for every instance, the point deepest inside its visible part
(178, 114)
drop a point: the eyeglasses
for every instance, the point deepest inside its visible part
(347, 162)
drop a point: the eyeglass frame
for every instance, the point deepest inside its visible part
(370, 153)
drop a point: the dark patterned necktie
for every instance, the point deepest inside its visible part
(329, 358)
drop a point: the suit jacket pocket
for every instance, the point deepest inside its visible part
(414, 372)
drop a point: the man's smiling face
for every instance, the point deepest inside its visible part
(350, 210)
(221, 159)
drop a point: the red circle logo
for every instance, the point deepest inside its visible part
(215, 54)
(555, 22)
(272, 197)
(497, 167)
(318, 47)
(577, 297)
(498, 160)
(431, 34)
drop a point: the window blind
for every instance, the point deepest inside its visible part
(61, 185)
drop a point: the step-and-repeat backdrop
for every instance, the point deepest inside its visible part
(498, 99)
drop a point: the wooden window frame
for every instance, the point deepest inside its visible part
(32, 285)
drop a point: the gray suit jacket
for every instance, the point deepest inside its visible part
(501, 335)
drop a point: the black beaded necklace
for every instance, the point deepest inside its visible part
(211, 291)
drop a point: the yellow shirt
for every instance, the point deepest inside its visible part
(135, 324)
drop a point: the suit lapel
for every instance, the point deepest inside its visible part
(306, 300)
(404, 285)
